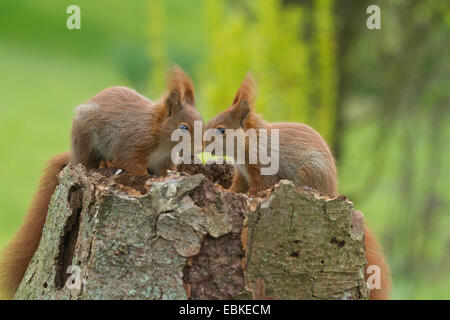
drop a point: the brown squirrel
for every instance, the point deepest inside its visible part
(128, 131)
(117, 127)
(304, 158)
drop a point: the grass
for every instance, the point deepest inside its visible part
(38, 94)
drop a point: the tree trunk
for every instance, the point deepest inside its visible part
(183, 237)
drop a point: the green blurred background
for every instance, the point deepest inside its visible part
(379, 97)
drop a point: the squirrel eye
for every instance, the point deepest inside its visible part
(222, 130)
(183, 127)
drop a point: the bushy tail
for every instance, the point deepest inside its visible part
(375, 257)
(15, 258)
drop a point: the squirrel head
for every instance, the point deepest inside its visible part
(240, 114)
(179, 108)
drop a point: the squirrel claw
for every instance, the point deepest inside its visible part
(105, 164)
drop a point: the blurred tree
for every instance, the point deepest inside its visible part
(350, 17)
(326, 79)
(408, 86)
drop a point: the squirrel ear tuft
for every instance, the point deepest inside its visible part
(246, 91)
(180, 82)
(243, 101)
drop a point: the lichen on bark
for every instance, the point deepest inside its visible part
(301, 246)
(184, 237)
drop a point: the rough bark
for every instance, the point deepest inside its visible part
(184, 237)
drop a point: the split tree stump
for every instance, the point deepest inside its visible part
(184, 237)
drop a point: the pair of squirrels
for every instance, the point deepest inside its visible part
(124, 129)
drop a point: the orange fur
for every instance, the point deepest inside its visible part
(134, 134)
(18, 253)
(247, 91)
(299, 144)
(239, 183)
(178, 80)
(374, 256)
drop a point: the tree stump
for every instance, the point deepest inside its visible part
(118, 236)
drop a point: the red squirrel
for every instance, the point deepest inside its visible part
(118, 127)
(122, 127)
(304, 158)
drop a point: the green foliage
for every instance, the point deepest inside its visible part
(156, 50)
(325, 79)
(295, 73)
(269, 40)
(227, 59)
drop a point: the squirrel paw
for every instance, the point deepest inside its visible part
(106, 164)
